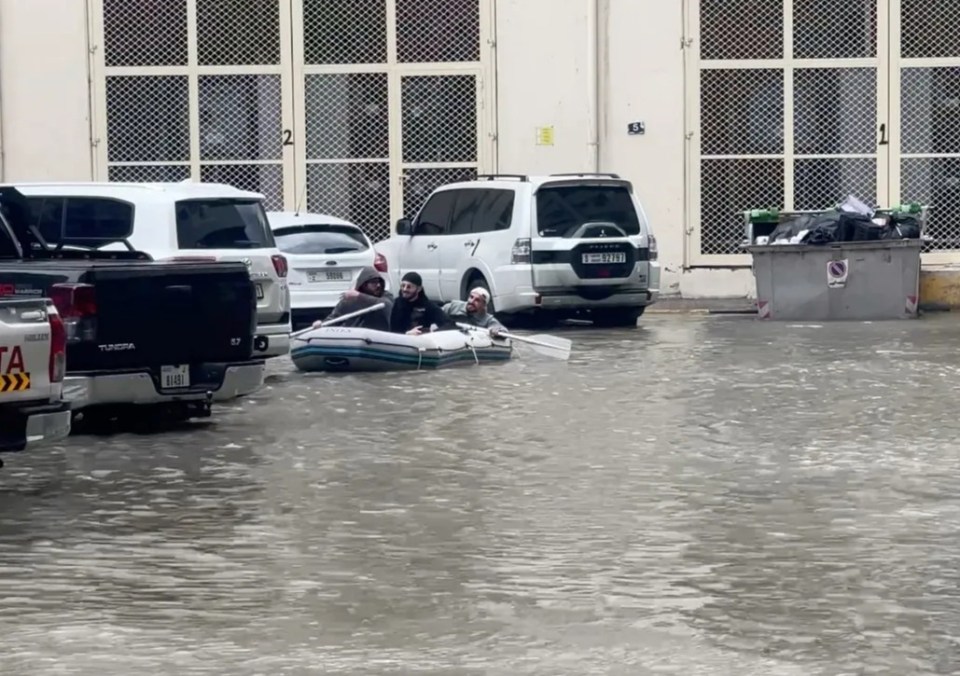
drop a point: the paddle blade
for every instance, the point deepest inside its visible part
(554, 347)
(559, 347)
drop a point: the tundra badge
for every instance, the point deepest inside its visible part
(118, 347)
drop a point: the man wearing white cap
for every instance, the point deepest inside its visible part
(474, 311)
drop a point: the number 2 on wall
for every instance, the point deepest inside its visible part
(287, 137)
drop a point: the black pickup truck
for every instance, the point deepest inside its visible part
(140, 333)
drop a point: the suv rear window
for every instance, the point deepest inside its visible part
(561, 210)
(320, 239)
(93, 220)
(223, 224)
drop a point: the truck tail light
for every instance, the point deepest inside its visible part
(77, 305)
(58, 348)
(380, 262)
(653, 247)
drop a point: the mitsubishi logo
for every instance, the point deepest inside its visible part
(247, 262)
(603, 233)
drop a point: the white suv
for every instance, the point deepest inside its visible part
(201, 221)
(560, 246)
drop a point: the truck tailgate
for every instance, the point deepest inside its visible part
(24, 352)
(176, 313)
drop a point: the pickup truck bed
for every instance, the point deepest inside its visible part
(138, 331)
(32, 410)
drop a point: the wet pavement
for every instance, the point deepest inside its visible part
(703, 495)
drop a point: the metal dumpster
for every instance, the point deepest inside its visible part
(867, 280)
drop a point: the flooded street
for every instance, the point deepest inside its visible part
(704, 495)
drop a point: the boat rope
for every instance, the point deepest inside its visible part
(420, 351)
(476, 359)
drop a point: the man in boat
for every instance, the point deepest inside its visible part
(414, 313)
(474, 311)
(370, 290)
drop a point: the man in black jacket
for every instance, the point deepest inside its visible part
(414, 313)
(368, 292)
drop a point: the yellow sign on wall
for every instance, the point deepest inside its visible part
(545, 136)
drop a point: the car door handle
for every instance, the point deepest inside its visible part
(431, 246)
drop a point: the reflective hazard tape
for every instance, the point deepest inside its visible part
(14, 382)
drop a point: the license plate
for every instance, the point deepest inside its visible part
(259, 291)
(604, 258)
(174, 377)
(327, 276)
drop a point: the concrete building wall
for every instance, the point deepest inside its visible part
(44, 90)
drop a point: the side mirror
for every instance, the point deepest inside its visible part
(404, 227)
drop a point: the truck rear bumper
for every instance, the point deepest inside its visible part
(33, 426)
(218, 382)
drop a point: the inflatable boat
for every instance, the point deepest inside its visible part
(334, 348)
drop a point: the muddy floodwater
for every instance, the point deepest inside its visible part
(703, 495)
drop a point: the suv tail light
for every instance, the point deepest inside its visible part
(77, 306)
(280, 265)
(380, 262)
(652, 246)
(520, 253)
(58, 348)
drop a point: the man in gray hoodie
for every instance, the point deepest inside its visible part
(370, 290)
(474, 311)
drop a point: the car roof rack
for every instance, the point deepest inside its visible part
(494, 177)
(590, 173)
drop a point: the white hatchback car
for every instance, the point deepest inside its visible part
(558, 246)
(326, 255)
(201, 221)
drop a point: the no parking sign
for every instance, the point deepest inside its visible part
(837, 272)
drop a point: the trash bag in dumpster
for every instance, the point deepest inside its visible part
(860, 228)
(828, 228)
(809, 229)
(903, 226)
(793, 228)
(843, 226)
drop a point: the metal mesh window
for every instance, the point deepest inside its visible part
(935, 181)
(262, 178)
(131, 29)
(438, 31)
(240, 117)
(930, 110)
(834, 29)
(339, 31)
(729, 187)
(347, 116)
(741, 112)
(821, 182)
(741, 29)
(238, 32)
(149, 173)
(148, 119)
(835, 111)
(439, 118)
(930, 29)
(356, 192)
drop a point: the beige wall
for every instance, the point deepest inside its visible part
(44, 92)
